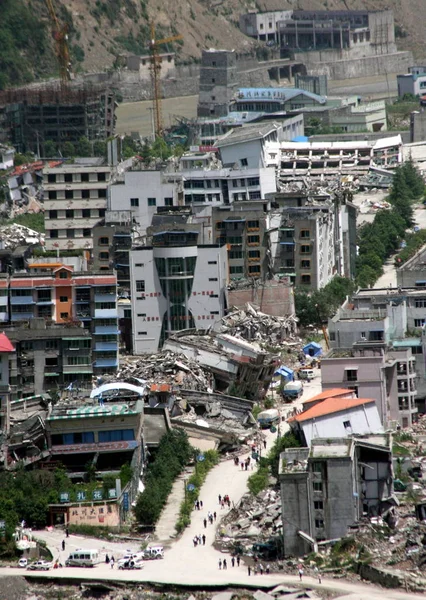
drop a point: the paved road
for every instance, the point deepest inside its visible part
(183, 563)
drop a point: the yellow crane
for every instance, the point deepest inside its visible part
(155, 68)
(60, 35)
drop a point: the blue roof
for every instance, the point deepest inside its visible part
(300, 138)
(281, 93)
(284, 371)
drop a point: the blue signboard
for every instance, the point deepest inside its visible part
(97, 495)
(125, 500)
(81, 496)
(64, 497)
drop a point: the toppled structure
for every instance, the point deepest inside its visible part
(237, 366)
(252, 325)
(13, 236)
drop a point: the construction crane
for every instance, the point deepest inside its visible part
(155, 69)
(60, 35)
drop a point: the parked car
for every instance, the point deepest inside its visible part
(154, 552)
(39, 565)
(130, 558)
(130, 565)
(23, 563)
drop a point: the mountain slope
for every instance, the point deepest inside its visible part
(102, 30)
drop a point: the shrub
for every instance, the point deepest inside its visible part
(259, 480)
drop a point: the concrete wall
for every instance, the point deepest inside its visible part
(96, 514)
(295, 509)
(340, 505)
(364, 419)
(274, 298)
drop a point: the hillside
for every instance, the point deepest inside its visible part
(102, 30)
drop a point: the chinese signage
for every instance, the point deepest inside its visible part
(64, 497)
(97, 495)
(81, 496)
(112, 493)
(125, 500)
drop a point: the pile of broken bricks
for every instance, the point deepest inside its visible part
(253, 325)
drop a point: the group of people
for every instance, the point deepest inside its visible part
(110, 561)
(199, 539)
(224, 501)
(223, 564)
(210, 518)
(259, 568)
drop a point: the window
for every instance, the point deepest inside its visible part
(419, 322)
(53, 214)
(305, 249)
(103, 255)
(212, 262)
(101, 212)
(63, 275)
(85, 213)
(103, 241)
(68, 177)
(244, 162)
(51, 344)
(332, 336)
(305, 279)
(252, 181)
(254, 253)
(85, 194)
(319, 523)
(63, 299)
(140, 285)
(53, 233)
(235, 254)
(134, 202)
(87, 232)
(212, 278)
(102, 193)
(85, 177)
(142, 333)
(351, 375)
(152, 201)
(44, 295)
(51, 178)
(52, 195)
(78, 360)
(253, 239)
(70, 233)
(69, 214)
(305, 234)
(254, 195)
(317, 467)
(101, 176)
(347, 425)
(168, 201)
(354, 388)
(254, 269)
(235, 270)
(69, 194)
(318, 505)
(416, 350)
(235, 240)
(317, 486)
(118, 435)
(214, 312)
(421, 303)
(305, 264)
(128, 313)
(252, 224)
(105, 305)
(64, 315)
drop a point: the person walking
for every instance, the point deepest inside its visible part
(317, 574)
(67, 532)
(205, 523)
(225, 564)
(238, 560)
(107, 559)
(204, 540)
(300, 569)
(249, 570)
(111, 562)
(264, 444)
(201, 504)
(220, 498)
(261, 569)
(214, 515)
(220, 564)
(268, 568)
(63, 545)
(233, 562)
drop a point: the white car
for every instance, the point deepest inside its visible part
(23, 563)
(40, 565)
(130, 558)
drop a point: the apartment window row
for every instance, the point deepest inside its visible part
(202, 198)
(76, 177)
(85, 213)
(76, 194)
(201, 184)
(249, 182)
(69, 233)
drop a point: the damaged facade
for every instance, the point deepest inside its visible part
(330, 486)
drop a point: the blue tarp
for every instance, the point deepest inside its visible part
(300, 138)
(312, 349)
(285, 372)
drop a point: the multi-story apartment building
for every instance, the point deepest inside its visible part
(6, 352)
(75, 200)
(241, 228)
(58, 294)
(383, 320)
(331, 485)
(176, 283)
(49, 357)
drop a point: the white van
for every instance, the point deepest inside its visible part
(154, 552)
(306, 374)
(83, 558)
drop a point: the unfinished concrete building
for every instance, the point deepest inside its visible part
(31, 117)
(217, 82)
(328, 487)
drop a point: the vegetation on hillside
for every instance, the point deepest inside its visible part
(321, 304)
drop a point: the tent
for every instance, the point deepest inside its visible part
(312, 349)
(285, 372)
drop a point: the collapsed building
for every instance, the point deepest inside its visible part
(331, 485)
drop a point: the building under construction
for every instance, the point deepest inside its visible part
(31, 117)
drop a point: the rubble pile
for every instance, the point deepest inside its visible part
(165, 367)
(252, 325)
(257, 519)
(14, 235)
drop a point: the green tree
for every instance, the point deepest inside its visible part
(69, 150)
(100, 148)
(84, 147)
(50, 149)
(413, 179)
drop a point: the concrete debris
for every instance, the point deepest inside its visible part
(14, 235)
(252, 325)
(165, 368)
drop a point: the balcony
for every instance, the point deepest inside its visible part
(106, 329)
(106, 362)
(106, 313)
(22, 316)
(77, 368)
(106, 297)
(105, 346)
(16, 300)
